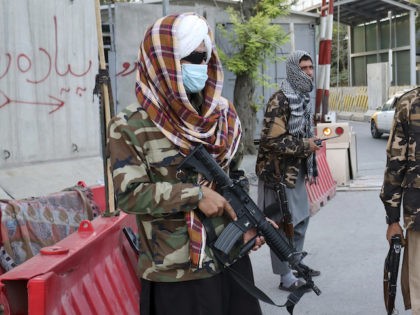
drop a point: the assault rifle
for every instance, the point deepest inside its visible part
(391, 266)
(132, 239)
(248, 216)
(282, 205)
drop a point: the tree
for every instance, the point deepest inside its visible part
(339, 47)
(254, 39)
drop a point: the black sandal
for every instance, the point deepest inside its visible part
(312, 273)
(296, 285)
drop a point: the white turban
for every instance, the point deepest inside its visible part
(191, 31)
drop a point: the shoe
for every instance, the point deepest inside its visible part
(296, 285)
(312, 273)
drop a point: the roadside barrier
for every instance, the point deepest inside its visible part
(29, 224)
(325, 187)
(92, 271)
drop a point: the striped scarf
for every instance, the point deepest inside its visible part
(160, 91)
(297, 88)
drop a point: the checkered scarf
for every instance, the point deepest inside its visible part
(160, 91)
(297, 88)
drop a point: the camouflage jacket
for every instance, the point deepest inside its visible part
(402, 174)
(144, 165)
(279, 152)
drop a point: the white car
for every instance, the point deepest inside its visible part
(381, 120)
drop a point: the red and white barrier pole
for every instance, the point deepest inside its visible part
(324, 60)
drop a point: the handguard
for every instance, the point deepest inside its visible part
(391, 267)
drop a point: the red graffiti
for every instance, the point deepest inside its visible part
(24, 63)
(27, 63)
(37, 69)
(80, 90)
(49, 68)
(69, 70)
(126, 69)
(64, 90)
(9, 62)
(7, 100)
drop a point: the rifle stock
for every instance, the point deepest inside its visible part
(248, 214)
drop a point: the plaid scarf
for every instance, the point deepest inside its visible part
(160, 91)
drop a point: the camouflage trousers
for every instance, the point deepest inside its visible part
(410, 274)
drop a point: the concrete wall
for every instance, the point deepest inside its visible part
(378, 84)
(355, 99)
(48, 63)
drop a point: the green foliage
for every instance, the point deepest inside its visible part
(258, 103)
(273, 8)
(339, 63)
(253, 39)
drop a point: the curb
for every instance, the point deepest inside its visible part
(356, 116)
(372, 182)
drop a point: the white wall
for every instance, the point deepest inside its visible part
(378, 84)
(48, 63)
(131, 22)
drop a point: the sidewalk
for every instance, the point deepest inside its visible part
(40, 179)
(356, 116)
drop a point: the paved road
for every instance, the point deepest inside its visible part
(345, 241)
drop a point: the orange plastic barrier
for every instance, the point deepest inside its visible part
(92, 271)
(325, 187)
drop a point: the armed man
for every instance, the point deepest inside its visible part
(178, 88)
(286, 160)
(402, 186)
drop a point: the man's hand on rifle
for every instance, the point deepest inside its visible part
(393, 229)
(212, 204)
(259, 240)
(273, 223)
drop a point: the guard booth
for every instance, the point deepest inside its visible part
(341, 150)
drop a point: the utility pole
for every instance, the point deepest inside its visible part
(165, 6)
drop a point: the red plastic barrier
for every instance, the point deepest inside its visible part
(99, 196)
(91, 271)
(325, 187)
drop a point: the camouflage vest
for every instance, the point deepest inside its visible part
(402, 173)
(279, 154)
(144, 169)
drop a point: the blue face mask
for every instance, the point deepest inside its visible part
(194, 77)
